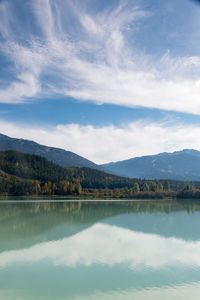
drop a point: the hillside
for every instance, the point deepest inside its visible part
(26, 174)
(180, 165)
(31, 174)
(58, 156)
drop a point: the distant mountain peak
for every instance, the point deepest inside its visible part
(178, 165)
(188, 151)
(191, 151)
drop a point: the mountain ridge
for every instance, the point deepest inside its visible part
(178, 165)
(59, 156)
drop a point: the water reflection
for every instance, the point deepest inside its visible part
(110, 245)
(168, 293)
(26, 224)
(88, 250)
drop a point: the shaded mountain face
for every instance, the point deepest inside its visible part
(58, 156)
(179, 165)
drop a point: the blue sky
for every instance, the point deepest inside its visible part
(108, 80)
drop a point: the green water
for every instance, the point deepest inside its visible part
(99, 250)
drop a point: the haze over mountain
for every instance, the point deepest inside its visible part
(179, 165)
(58, 156)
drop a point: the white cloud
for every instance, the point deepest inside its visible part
(26, 86)
(110, 143)
(93, 59)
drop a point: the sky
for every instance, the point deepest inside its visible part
(108, 80)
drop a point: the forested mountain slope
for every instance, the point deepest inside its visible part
(26, 174)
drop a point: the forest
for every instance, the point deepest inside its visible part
(25, 174)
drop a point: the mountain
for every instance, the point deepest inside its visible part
(180, 165)
(58, 156)
(35, 167)
(28, 174)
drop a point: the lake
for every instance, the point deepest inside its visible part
(57, 249)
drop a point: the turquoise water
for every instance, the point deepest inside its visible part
(99, 250)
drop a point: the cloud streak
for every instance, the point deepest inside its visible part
(91, 57)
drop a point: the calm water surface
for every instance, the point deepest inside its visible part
(99, 250)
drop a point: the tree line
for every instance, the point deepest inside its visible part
(25, 174)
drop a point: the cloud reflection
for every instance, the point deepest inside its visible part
(189, 291)
(109, 245)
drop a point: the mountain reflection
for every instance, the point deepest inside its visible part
(26, 224)
(92, 250)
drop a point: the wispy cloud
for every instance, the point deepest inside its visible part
(99, 144)
(91, 57)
